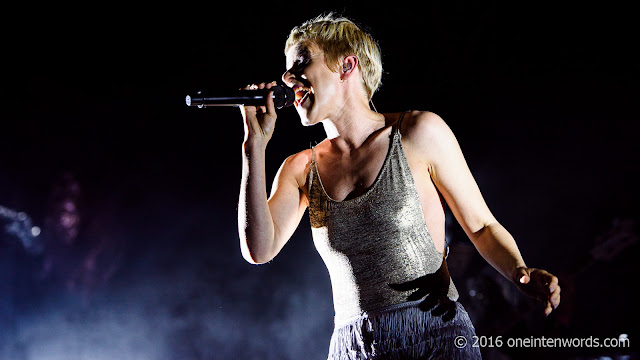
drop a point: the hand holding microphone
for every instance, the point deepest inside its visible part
(260, 121)
(257, 104)
(283, 96)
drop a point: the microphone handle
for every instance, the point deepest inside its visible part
(283, 96)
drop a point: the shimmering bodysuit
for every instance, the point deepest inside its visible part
(374, 240)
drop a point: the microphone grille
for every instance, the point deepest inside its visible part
(283, 96)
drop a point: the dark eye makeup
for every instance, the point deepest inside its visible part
(302, 59)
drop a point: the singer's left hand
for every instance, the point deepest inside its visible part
(259, 120)
(538, 284)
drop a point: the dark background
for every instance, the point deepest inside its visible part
(539, 95)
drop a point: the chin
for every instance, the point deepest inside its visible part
(305, 118)
(306, 122)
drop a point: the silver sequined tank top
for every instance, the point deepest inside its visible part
(374, 240)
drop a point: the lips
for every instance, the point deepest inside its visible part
(302, 94)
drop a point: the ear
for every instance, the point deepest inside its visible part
(349, 65)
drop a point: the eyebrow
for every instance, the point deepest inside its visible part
(299, 50)
(302, 49)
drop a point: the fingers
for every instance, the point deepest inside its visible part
(267, 108)
(553, 282)
(548, 309)
(553, 302)
(546, 282)
(446, 309)
(539, 284)
(548, 290)
(406, 286)
(258, 111)
(444, 305)
(428, 303)
(521, 275)
(259, 121)
(418, 294)
(425, 282)
(555, 297)
(271, 107)
(260, 86)
(451, 313)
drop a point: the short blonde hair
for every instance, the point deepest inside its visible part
(339, 37)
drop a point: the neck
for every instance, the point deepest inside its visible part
(352, 126)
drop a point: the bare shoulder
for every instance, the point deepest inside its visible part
(296, 167)
(300, 159)
(426, 130)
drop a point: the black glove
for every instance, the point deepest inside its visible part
(436, 287)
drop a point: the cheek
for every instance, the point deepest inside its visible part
(326, 94)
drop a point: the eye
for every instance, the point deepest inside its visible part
(303, 58)
(301, 61)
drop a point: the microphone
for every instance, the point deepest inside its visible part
(283, 96)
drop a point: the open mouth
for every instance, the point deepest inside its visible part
(302, 94)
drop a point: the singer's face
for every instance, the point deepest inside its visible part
(313, 82)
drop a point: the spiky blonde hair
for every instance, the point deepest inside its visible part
(339, 37)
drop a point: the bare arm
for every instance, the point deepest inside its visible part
(452, 177)
(266, 224)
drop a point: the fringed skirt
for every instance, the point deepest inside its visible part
(404, 332)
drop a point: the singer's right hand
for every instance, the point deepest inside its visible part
(259, 121)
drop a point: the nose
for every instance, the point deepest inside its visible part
(288, 78)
